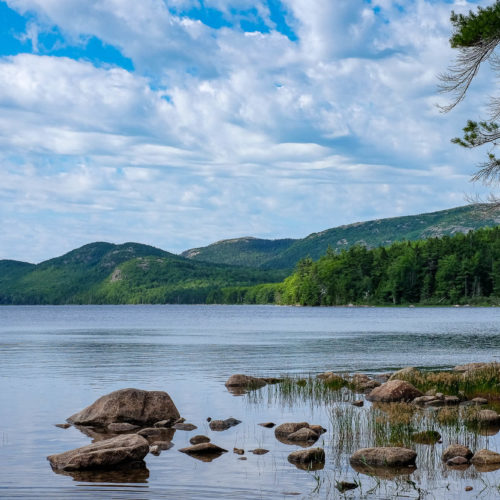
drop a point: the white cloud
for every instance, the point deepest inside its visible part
(220, 133)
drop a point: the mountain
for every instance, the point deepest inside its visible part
(247, 251)
(284, 254)
(102, 273)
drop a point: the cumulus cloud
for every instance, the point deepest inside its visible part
(223, 132)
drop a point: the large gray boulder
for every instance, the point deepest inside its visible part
(387, 456)
(394, 390)
(134, 406)
(111, 453)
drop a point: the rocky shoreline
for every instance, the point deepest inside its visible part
(128, 424)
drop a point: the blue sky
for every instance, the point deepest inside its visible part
(181, 122)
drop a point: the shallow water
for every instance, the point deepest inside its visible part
(56, 360)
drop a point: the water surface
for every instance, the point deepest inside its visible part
(56, 360)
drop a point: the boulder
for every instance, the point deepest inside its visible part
(222, 425)
(404, 373)
(245, 381)
(108, 454)
(394, 390)
(456, 450)
(309, 456)
(199, 439)
(388, 456)
(284, 430)
(133, 406)
(486, 457)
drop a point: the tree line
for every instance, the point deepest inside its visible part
(461, 269)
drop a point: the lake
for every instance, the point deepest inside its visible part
(54, 361)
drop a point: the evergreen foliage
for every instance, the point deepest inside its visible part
(450, 270)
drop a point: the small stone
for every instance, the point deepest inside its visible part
(209, 419)
(242, 458)
(318, 429)
(469, 488)
(238, 451)
(457, 461)
(451, 400)
(163, 445)
(456, 450)
(284, 430)
(422, 400)
(222, 425)
(184, 427)
(259, 451)
(344, 486)
(199, 439)
(155, 450)
(479, 401)
(268, 425)
(358, 403)
(164, 423)
(63, 426)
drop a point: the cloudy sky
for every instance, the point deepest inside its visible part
(181, 122)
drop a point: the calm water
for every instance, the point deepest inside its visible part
(56, 360)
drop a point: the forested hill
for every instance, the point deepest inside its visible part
(284, 254)
(104, 273)
(463, 269)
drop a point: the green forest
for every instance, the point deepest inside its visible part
(462, 269)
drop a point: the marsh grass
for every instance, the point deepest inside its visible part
(478, 382)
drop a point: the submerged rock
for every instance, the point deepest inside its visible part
(267, 425)
(456, 450)
(452, 462)
(394, 390)
(344, 486)
(133, 406)
(206, 452)
(184, 427)
(222, 425)
(259, 451)
(199, 439)
(387, 456)
(111, 453)
(426, 437)
(245, 381)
